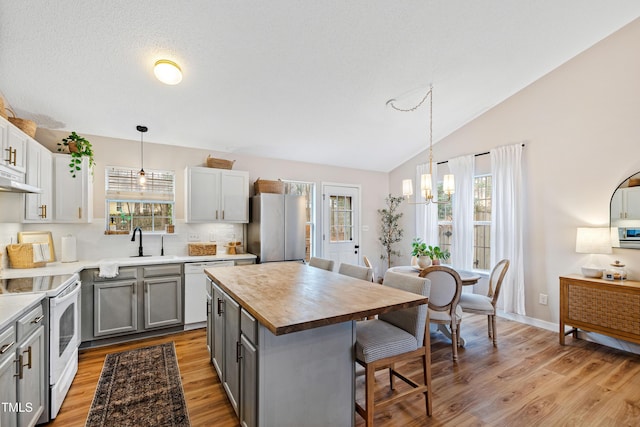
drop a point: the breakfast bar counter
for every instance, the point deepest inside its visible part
(290, 296)
(282, 340)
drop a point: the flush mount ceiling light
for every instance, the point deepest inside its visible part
(168, 72)
(426, 180)
(142, 179)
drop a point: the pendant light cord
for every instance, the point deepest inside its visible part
(429, 95)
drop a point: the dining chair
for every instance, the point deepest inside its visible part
(486, 304)
(325, 264)
(391, 338)
(446, 287)
(357, 271)
(368, 264)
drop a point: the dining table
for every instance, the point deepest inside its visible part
(468, 278)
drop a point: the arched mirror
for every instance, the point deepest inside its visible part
(625, 213)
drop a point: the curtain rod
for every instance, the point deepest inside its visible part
(475, 155)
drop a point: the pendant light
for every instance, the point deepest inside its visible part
(426, 180)
(142, 179)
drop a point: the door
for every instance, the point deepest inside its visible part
(231, 351)
(202, 195)
(31, 380)
(115, 307)
(8, 385)
(234, 196)
(341, 223)
(163, 302)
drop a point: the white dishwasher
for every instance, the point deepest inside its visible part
(195, 291)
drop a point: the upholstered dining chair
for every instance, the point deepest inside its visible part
(446, 287)
(395, 337)
(368, 264)
(325, 264)
(486, 304)
(357, 271)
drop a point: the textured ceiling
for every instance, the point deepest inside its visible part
(289, 79)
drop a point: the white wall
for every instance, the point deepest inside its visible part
(92, 243)
(581, 127)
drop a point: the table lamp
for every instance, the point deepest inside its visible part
(594, 240)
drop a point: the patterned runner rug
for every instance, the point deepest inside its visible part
(140, 387)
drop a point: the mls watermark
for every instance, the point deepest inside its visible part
(16, 407)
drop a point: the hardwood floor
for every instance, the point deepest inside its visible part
(529, 379)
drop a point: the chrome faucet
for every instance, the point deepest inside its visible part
(133, 239)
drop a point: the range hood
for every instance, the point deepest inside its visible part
(13, 183)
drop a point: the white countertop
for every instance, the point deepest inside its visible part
(12, 306)
(54, 268)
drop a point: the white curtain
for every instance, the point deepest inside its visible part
(506, 223)
(462, 169)
(426, 215)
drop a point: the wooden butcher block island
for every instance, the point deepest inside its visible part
(281, 336)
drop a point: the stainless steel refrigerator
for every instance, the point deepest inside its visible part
(277, 228)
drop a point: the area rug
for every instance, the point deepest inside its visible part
(140, 387)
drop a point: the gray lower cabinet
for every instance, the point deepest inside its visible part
(115, 307)
(22, 370)
(140, 299)
(226, 337)
(248, 371)
(8, 387)
(162, 302)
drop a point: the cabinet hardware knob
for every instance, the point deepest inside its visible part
(238, 351)
(20, 373)
(38, 319)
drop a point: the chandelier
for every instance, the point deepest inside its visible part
(426, 180)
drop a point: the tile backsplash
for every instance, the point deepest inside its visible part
(93, 244)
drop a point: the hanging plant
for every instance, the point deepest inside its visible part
(78, 147)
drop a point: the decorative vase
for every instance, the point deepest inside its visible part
(435, 262)
(73, 147)
(424, 262)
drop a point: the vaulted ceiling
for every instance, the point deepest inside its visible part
(288, 79)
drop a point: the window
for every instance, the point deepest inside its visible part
(129, 205)
(307, 189)
(481, 222)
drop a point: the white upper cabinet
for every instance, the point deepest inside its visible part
(14, 146)
(72, 197)
(216, 195)
(625, 204)
(38, 207)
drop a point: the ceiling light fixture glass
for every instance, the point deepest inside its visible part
(168, 72)
(426, 180)
(142, 179)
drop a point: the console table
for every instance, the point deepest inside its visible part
(604, 306)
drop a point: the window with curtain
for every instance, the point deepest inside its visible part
(307, 189)
(481, 221)
(129, 204)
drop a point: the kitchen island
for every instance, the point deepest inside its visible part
(287, 332)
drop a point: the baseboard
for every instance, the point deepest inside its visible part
(589, 336)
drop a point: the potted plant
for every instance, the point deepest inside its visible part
(78, 147)
(390, 230)
(436, 254)
(420, 250)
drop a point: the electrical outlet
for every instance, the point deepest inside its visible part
(542, 299)
(193, 237)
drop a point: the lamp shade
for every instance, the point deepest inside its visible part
(594, 240)
(407, 187)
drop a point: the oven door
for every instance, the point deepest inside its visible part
(64, 329)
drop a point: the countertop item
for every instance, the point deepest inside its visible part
(288, 297)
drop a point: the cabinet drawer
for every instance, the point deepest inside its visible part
(123, 274)
(249, 326)
(30, 322)
(162, 270)
(7, 342)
